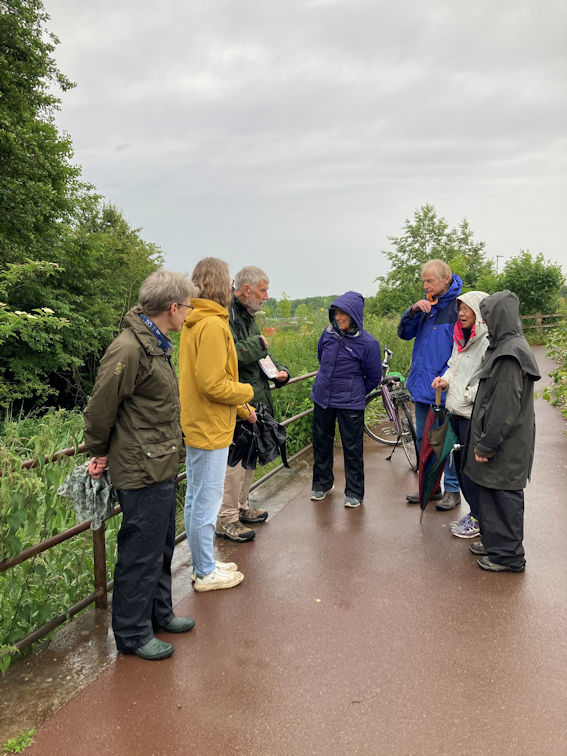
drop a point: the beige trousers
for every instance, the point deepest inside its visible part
(237, 484)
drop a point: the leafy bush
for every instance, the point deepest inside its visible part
(556, 344)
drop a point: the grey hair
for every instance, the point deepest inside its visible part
(162, 288)
(250, 275)
(442, 270)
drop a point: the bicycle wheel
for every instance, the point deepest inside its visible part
(407, 434)
(377, 424)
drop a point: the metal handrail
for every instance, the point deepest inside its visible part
(102, 587)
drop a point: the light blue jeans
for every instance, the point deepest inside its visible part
(451, 481)
(205, 484)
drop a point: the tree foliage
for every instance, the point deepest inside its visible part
(72, 264)
(423, 238)
(537, 282)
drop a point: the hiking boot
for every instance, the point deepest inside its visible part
(466, 527)
(178, 625)
(352, 502)
(234, 531)
(218, 579)
(154, 650)
(252, 515)
(449, 500)
(225, 566)
(477, 548)
(485, 563)
(414, 498)
(319, 495)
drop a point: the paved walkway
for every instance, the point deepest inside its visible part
(356, 632)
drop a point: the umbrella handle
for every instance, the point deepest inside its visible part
(438, 397)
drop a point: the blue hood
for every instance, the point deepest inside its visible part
(352, 303)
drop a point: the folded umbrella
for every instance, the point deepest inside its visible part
(437, 443)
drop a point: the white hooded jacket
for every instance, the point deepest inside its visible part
(463, 369)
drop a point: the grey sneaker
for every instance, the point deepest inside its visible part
(226, 566)
(486, 564)
(449, 500)
(234, 531)
(351, 501)
(217, 579)
(466, 527)
(317, 495)
(477, 548)
(252, 515)
(414, 498)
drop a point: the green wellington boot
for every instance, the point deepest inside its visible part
(154, 650)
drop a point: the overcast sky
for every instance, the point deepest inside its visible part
(298, 135)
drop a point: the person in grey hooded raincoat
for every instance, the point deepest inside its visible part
(350, 368)
(500, 447)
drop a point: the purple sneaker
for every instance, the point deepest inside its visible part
(466, 527)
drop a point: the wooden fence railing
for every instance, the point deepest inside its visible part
(555, 319)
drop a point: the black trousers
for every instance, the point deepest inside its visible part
(460, 425)
(351, 428)
(141, 600)
(502, 525)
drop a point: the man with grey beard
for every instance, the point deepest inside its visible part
(249, 294)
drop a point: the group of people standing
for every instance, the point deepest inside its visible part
(140, 423)
(471, 347)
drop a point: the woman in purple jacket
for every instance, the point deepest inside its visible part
(350, 367)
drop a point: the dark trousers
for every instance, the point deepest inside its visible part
(351, 428)
(502, 525)
(460, 425)
(141, 600)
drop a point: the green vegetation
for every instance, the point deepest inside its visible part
(71, 265)
(536, 282)
(18, 744)
(556, 344)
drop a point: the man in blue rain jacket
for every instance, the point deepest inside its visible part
(430, 321)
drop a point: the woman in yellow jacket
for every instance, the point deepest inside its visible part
(211, 397)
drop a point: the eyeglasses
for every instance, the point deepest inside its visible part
(189, 307)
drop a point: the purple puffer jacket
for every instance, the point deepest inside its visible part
(351, 364)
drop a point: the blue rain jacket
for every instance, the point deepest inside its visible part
(351, 364)
(433, 333)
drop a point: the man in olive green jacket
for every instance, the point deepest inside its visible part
(132, 425)
(250, 293)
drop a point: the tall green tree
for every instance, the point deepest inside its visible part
(425, 237)
(85, 263)
(536, 281)
(39, 184)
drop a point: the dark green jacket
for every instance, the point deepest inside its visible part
(249, 349)
(133, 412)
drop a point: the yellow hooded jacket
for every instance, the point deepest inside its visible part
(208, 378)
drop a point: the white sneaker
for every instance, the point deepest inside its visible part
(218, 579)
(225, 566)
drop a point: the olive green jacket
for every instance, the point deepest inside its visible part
(133, 412)
(249, 349)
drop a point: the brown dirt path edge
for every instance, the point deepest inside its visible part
(356, 631)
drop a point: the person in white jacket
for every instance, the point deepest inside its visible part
(460, 381)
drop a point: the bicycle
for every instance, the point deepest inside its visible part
(398, 428)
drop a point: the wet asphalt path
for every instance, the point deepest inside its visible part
(356, 631)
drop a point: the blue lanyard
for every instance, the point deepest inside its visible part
(163, 341)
